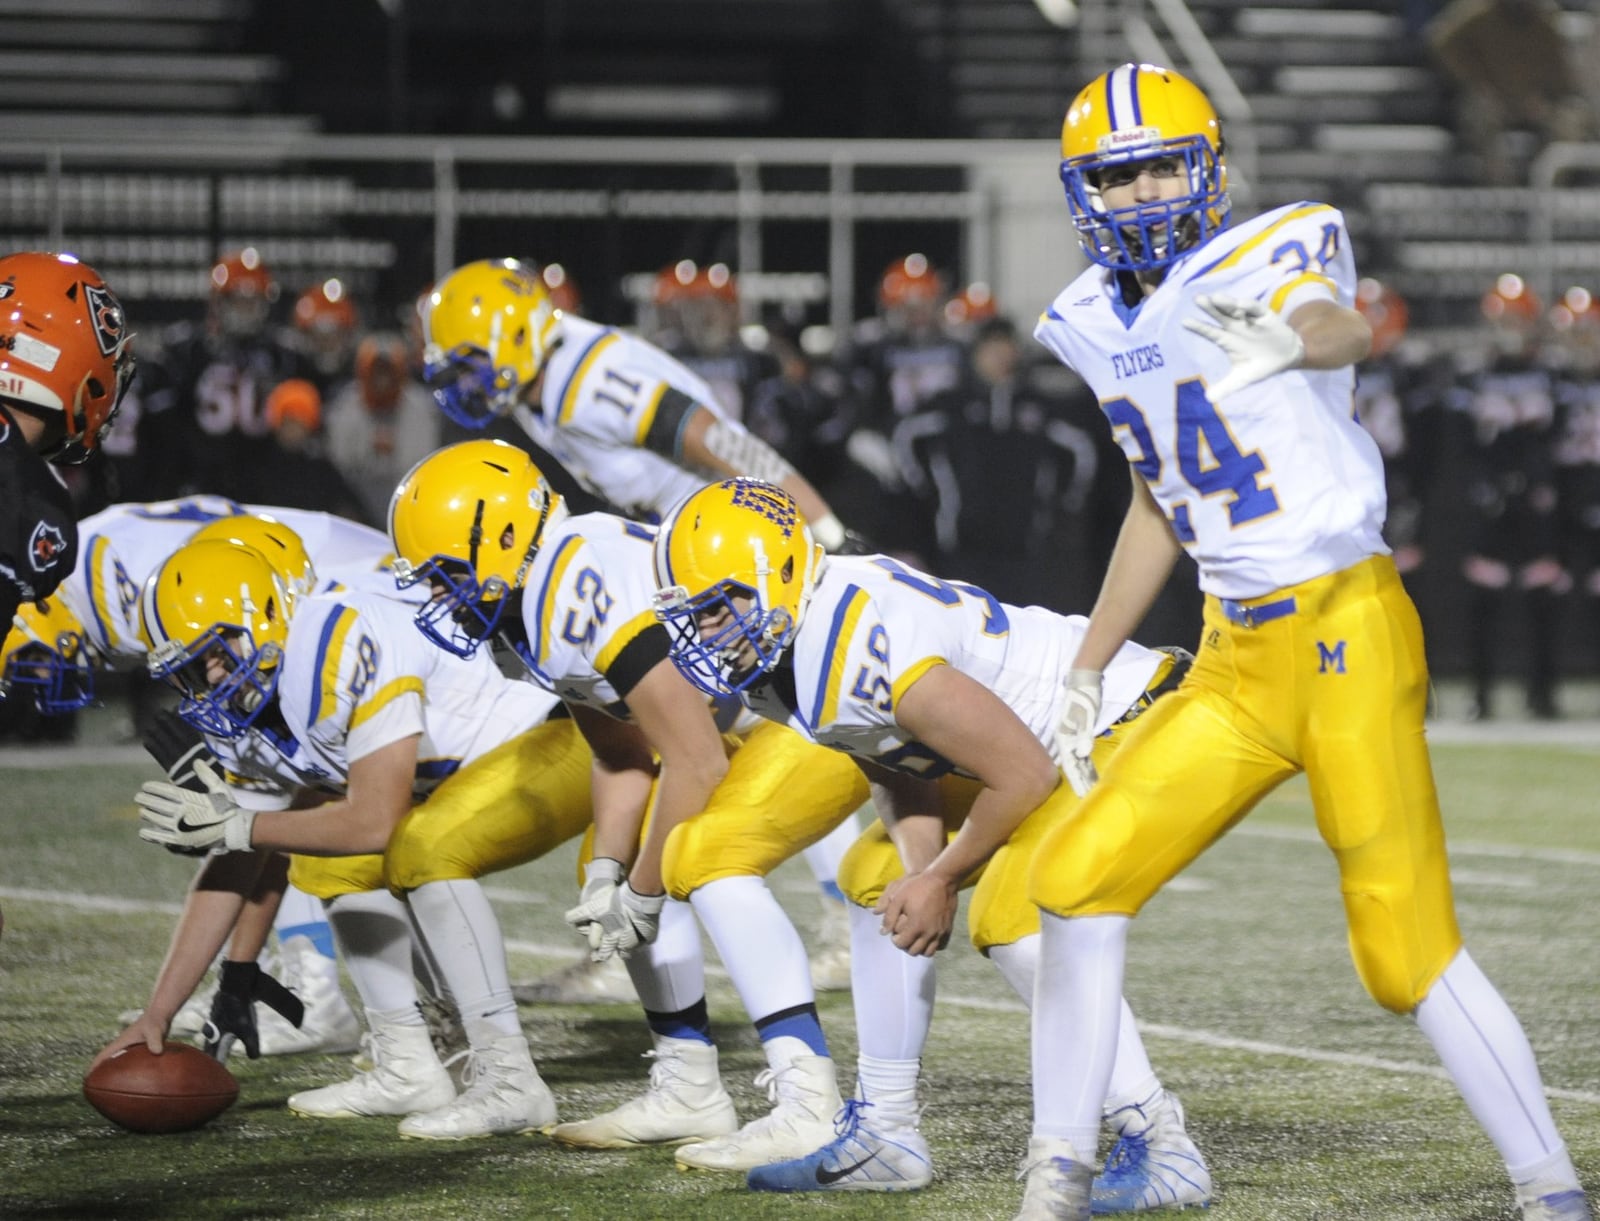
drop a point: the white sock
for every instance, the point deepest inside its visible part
(670, 973)
(1487, 1054)
(1017, 963)
(1077, 1012)
(1132, 1079)
(463, 938)
(891, 1087)
(374, 934)
(784, 1051)
(757, 943)
(893, 991)
(825, 855)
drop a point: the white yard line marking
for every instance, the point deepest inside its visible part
(1499, 852)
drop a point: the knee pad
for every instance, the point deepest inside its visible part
(1397, 964)
(328, 877)
(869, 865)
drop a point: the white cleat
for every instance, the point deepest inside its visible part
(866, 1155)
(582, 983)
(504, 1094)
(805, 1098)
(1154, 1164)
(686, 1101)
(407, 1077)
(1568, 1205)
(329, 1025)
(830, 959)
(1056, 1184)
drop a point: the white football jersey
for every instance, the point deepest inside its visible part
(358, 676)
(121, 546)
(1277, 484)
(587, 597)
(601, 391)
(874, 626)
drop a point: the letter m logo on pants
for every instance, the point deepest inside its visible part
(1330, 661)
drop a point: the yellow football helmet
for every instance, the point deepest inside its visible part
(487, 329)
(1136, 113)
(469, 519)
(217, 601)
(740, 538)
(46, 654)
(284, 549)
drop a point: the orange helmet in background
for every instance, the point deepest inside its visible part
(1515, 315)
(327, 321)
(686, 280)
(911, 281)
(1385, 311)
(242, 293)
(973, 304)
(563, 289)
(700, 304)
(64, 355)
(1574, 322)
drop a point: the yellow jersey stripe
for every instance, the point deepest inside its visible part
(382, 697)
(846, 616)
(330, 650)
(569, 398)
(911, 676)
(621, 638)
(98, 602)
(545, 620)
(1311, 277)
(1260, 239)
(647, 417)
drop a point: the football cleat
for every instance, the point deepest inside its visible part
(1154, 1164)
(805, 1097)
(504, 1094)
(408, 1077)
(830, 961)
(686, 1102)
(861, 1157)
(1571, 1205)
(1057, 1185)
(582, 983)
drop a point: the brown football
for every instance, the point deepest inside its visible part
(180, 1089)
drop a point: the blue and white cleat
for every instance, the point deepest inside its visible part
(1154, 1165)
(1570, 1205)
(861, 1157)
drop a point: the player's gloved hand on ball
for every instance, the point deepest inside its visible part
(619, 921)
(173, 815)
(1257, 340)
(1080, 709)
(233, 1010)
(177, 746)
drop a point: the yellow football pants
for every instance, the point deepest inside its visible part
(503, 809)
(1337, 688)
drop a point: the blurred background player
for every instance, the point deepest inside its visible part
(302, 474)
(327, 327)
(1574, 322)
(380, 425)
(203, 397)
(697, 320)
(627, 421)
(64, 365)
(1397, 400)
(1505, 415)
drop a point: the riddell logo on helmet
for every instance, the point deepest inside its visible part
(1128, 139)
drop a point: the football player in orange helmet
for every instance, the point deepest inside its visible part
(326, 320)
(64, 364)
(242, 293)
(1222, 355)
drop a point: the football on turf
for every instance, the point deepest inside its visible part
(180, 1089)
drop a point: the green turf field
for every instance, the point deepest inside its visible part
(1309, 1101)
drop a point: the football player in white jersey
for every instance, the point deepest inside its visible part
(948, 701)
(631, 424)
(1221, 355)
(334, 695)
(122, 546)
(571, 596)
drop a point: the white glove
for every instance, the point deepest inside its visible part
(181, 818)
(1080, 709)
(1256, 339)
(617, 921)
(601, 876)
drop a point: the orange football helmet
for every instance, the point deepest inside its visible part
(563, 289)
(1386, 313)
(64, 354)
(242, 293)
